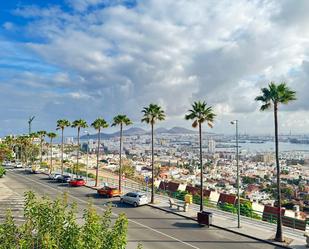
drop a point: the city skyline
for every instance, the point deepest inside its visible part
(91, 58)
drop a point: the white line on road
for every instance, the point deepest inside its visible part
(114, 214)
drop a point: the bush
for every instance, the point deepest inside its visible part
(91, 175)
(228, 207)
(2, 171)
(53, 224)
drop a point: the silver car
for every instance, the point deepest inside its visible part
(134, 198)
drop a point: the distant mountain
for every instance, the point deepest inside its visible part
(180, 130)
(161, 130)
(129, 132)
(134, 131)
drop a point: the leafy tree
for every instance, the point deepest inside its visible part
(80, 123)
(98, 124)
(120, 120)
(201, 113)
(5, 152)
(61, 125)
(52, 224)
(272, 97)
(151, 115)
(51, 136)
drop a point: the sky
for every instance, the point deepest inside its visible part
(98, 58)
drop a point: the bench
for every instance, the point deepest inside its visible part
(178, 205)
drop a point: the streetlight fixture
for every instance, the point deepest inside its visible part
(87, 133)
(235, 122)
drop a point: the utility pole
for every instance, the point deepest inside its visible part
(235, 122)
(29, 123)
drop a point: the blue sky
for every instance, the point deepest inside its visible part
(88, 58)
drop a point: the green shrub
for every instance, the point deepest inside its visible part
(53, 225)
(91, 175)
(228, 207)
(2, 171)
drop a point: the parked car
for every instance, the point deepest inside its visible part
(18, 165)
(134, 198)
(77, 182)
(54, 176)
(109, 191)
(64, 178)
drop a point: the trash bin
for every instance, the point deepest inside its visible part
(188, 199)
(204, 218)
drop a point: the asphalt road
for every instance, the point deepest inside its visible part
(151, 227)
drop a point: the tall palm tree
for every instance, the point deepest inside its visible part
(61, 124)
(41, 134)
(98, 124)
(51, 136)
(79, 123)
(151, 115)
(271, 97)
(33, 136)
(201, 113)
(120, 120)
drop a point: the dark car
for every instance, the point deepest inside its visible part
(64, 178)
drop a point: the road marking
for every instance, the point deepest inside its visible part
(114, 214)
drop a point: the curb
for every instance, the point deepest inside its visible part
(222, 228)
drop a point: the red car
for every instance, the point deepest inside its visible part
(77, 182)
(109, 191)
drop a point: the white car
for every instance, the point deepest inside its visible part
(134, 198)
(54, 176)
(18, 165)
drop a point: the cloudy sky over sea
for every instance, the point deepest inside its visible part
(88, 58)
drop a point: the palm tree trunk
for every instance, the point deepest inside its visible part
(120, 162)
(51, 155)
(62, 151)
(97, 169)
(201, 165)
(41, 159)
(279, 218)
(152, 167)
(77, 159)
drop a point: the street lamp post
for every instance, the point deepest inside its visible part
(235, 122)
(87, 156)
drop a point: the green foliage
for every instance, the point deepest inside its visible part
(44, 165)
(248, 180)
(5, 152)
(8, 232)
(228, 207)
(53, 225)
(2, 171)
(91, 175)
(180, 195)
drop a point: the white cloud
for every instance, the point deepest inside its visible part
(118, 59)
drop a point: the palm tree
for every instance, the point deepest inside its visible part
(201, 113)
(41, 134)
(121, 120)
(98, 124)
(33, 135)
(271, 97)
(61, 124)
(80, 123)
(151, 115)
(51, 136)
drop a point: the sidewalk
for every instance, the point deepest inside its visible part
(249, 227)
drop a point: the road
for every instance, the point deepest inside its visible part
(151, 227)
